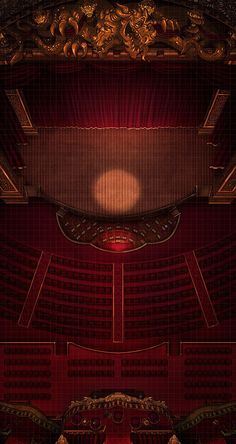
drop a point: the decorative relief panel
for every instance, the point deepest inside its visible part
(11, 188)
(89, 29)
(223, 10)
(225, 192)
(218, 102)
(229, 184)
(17, 102)
(6, 185)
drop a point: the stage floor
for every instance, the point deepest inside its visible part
(117, 171)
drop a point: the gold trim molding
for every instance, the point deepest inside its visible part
(92, 29)
(113, 400)
(18, 103)
(216, 108)
(226, 191)
(11, 186)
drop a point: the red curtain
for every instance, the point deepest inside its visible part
(115, 94)
(18, 75)
(220, 76)
(105, 95)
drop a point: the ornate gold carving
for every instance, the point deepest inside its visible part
(218, 102)
(41, 18)
(73, 30)
(207, 412)
(17, 102)
(11, 187)
(225, 192)
(28, 412)
(11, 46)
(117, 399)
(62, 440)
(6, 185)
(229, 184)
(196, 41)
(174, 440)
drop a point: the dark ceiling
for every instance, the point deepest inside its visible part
(223, 10)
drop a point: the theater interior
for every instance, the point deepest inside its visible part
(117, 229)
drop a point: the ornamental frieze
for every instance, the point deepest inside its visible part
(100, 29)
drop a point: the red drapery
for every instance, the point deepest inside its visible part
(115, 94)
(19, 75)
(131, 96)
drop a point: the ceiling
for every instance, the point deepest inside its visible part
(223, 10)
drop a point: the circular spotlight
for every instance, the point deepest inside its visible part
(116, 191)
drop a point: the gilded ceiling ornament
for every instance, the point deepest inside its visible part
(143, 31)
(62, 440)
(116, 399)
(195, 39)
(174, 440)
(87, 27)
(41, 17)
(88, 8)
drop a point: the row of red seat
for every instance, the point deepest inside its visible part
(206, 396)
(207, 361)
(69, 332)
(208, 350)
(144, 373)
(144, 362)
(91, 362)
(27, 397)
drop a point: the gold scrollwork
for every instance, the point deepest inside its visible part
(116, 399)
(73, 29)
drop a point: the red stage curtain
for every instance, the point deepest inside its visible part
(18, 75)
(118, 96)
(221, 76)
(115, 94)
